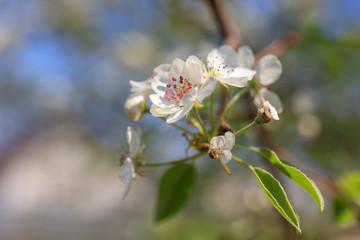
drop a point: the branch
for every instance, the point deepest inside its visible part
(280, 45)
(231, 36)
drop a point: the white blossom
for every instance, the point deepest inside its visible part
(220, 147)
(268, 71)
(178, 87)
(221, 63)
(127, 165)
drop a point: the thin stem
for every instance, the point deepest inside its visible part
(180, 128)
(255, 149)
(157, 164)
(212, 111)
(239, 160)
(228, 106)
(247, 127)
(198, 118)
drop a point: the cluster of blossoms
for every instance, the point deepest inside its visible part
(176, 89)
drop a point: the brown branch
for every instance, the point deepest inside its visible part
(226, 26)
(280, 45)
(229, 32)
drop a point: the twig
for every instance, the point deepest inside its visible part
(280, 45)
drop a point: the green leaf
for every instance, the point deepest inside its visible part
(276, 194)
(295, 174)
(174, 189)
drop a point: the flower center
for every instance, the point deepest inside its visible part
(215, 152)
(212, 70)
(177, 89)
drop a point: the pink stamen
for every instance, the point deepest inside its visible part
(166, 92)
(174, 95)
(168, 98)
(186, 80)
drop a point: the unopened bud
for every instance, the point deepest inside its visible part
(267, 113)
(134, 106)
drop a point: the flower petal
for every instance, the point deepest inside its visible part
(245, 57)
(161, 69)
(127, 175)
(269, 96)
(238, 77)
(270, 111)
(177, 67)
(229, 141)
(217, 141)
(225, 55)
(225, 157)
(193, 70)
(160, 100)
(140, 87)
(268, 69)
(180, 114)
(206, 89)
(133, 138)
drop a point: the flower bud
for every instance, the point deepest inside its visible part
(134, 106)
(267, 113)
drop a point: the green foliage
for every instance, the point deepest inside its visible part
(294, 174)
(276, 194)
(350, 184)
(174, 190)
(343, 211)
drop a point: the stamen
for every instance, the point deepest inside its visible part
(174, 79)
(166, 93)
(175, 86)
(168, 85)
(174, 95)
(168, 98)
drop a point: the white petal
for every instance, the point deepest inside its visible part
(217, 141)
(162, 68)
(270, 111)
(225, 157)
(206, 89)
(245, 57)
(134, 139)
(268, 69)
(272, 98)
(229, 141)
(158, 84)
(238, 77)
(177, 67)
(127, 175)
(168, 110)
(225, 55)
(180, 114)
(193, 70)
(155, 111)
(160, 100)
(189, 97)
(140, 87)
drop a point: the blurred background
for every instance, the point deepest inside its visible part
(64, 72)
